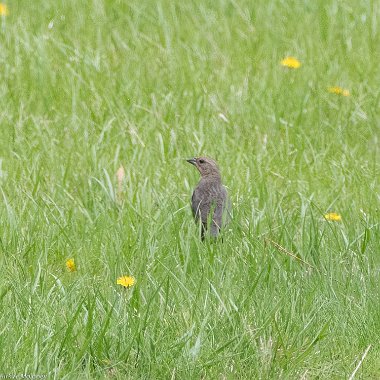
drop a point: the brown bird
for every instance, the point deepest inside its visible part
(210, 200)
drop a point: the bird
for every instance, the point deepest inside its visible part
(209, 202)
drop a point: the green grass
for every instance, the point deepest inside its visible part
(86, 87)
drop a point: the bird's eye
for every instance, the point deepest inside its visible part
(201, 161)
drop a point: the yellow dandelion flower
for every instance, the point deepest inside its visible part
(70, 265)
(4, 9)
(126, 281)
(333, 217)
(338, 91)
(291, 63)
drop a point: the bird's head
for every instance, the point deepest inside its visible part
(206, 166)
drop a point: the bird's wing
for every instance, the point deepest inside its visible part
(219, 215)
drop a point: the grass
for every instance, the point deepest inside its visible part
(89, 86)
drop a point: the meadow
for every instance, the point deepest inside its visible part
(90, 87)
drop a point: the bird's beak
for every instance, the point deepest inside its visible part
(192, 161)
